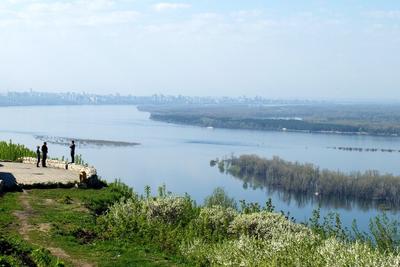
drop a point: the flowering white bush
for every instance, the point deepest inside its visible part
(122, 216)
(266, 225)
(167, 209)
(335, 253)
(269, 239)
(216, 218)
(260, 239)
(215, 236)
(244, 251)
(249, 251)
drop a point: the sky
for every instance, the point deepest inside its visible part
(339, 49)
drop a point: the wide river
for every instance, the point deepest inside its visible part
(178, 156)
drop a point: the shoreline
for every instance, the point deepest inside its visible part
(156, 117)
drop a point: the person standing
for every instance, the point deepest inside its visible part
(44, 152)
(72, 147)
(38, 156)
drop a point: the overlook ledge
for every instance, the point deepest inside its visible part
(25, 174)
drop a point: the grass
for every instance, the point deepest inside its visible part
(14, 251)
(66, 219)
(8, 204)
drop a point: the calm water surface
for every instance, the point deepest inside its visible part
(179, 156)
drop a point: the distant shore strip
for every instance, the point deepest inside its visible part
(84, 142)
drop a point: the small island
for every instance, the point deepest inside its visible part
(84, 142)
(310, 180)
(322, 118)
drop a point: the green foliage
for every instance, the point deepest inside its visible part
(331, 226)
(220, 198)
(221, 166)
(306, 179)
(14, 152)
(213, 222)
(9, 261)
(66, 200)
(147, 190)
(213, 235)
(74, 229)
(386, 233)
(8, 203)
(168, 210)
(99, 203)
(255, 236)
(351, 119)
(213, 162)
(42, 257)
(268, 206)
(15, 252)
(79, 160)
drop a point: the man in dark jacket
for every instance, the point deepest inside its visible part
(72, 147)
(38, 156)
(44, 152)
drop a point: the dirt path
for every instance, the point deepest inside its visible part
(25, 228)
(23, 215)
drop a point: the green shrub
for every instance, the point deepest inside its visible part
(16, 252)
(99, 203)
(121, 219)
(266, 225)
(171, 209)
(257, 236)
(9, 261)
(213, 222)
(14, 152)
(220, 198)
(42, 257)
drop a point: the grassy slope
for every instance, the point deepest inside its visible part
(59, 219)
(8, 204)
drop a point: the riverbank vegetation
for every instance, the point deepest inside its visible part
(116, 226)
(307, 179)
(12, 152)
(360, 119)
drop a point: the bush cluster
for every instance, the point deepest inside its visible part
(14, 152)
(249, 236)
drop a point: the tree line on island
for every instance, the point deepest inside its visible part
(350, 119)
(262, 124)
(294, 177)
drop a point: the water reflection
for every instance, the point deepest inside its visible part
(305, 200)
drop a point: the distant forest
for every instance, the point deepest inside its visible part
(361, 119)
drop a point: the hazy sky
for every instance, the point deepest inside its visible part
(288, 49)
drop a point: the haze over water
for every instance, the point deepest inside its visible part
(179, 156)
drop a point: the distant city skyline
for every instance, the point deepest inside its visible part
(273, 49)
